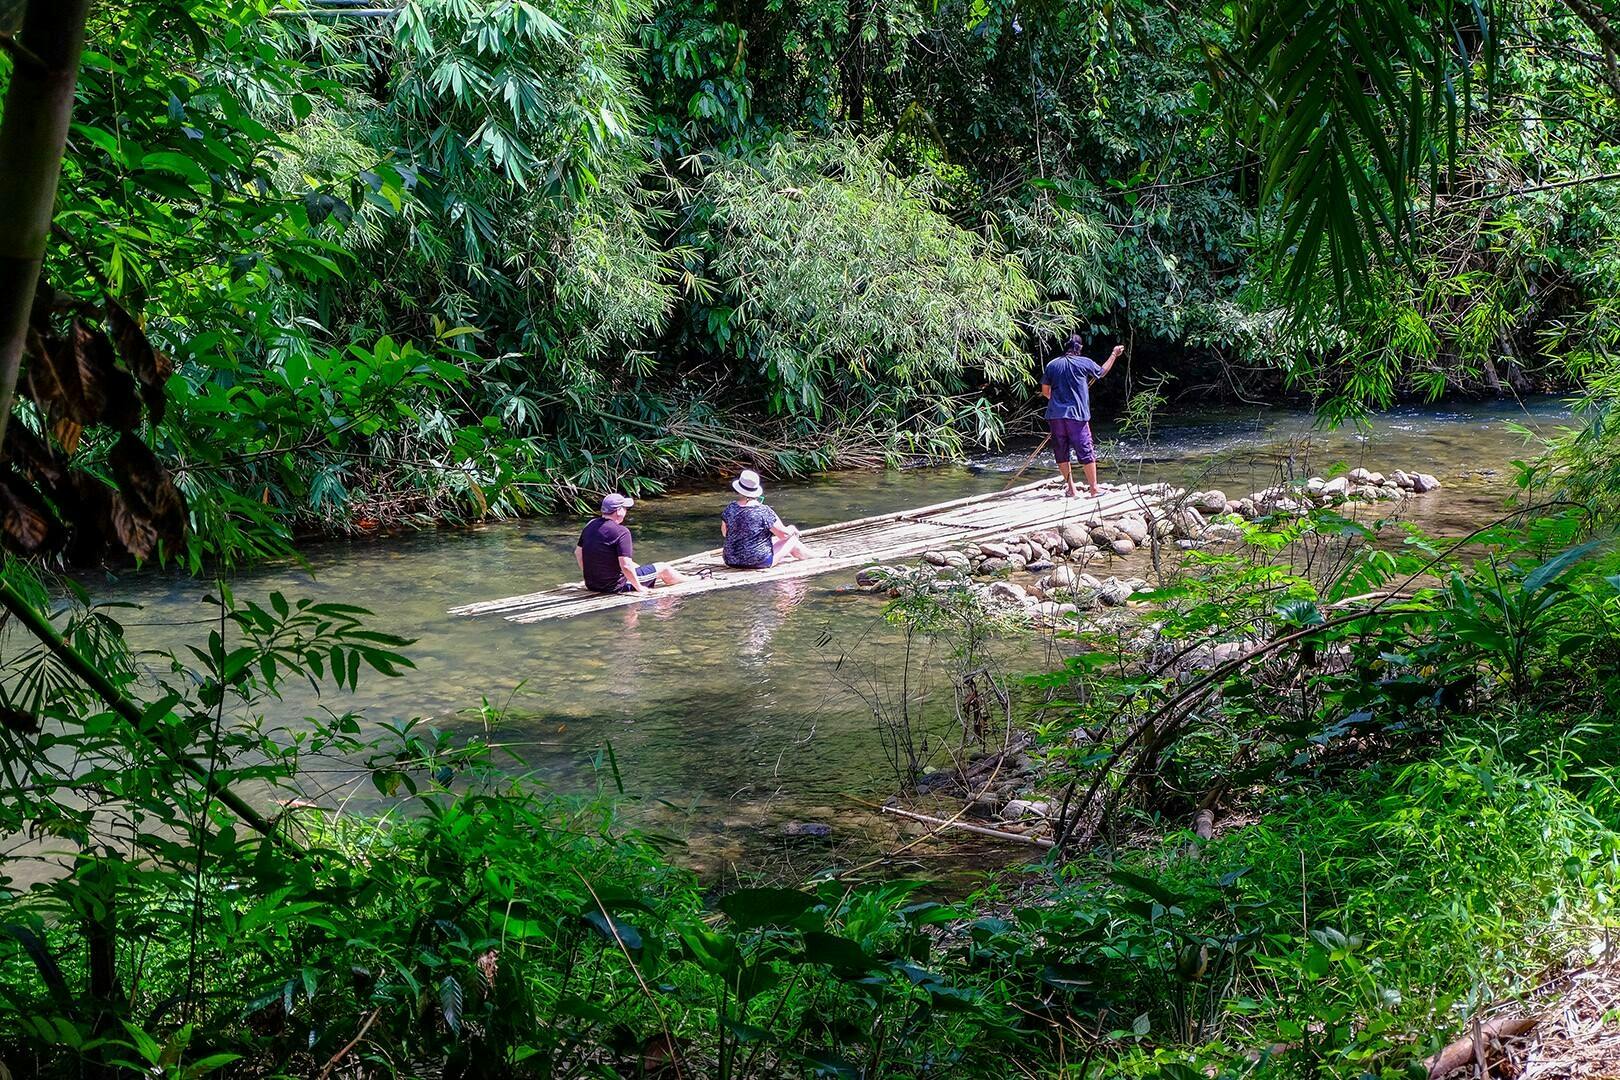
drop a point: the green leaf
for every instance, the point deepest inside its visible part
(178, 164)
(753, 908)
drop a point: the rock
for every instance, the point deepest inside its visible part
(1017, 561)
(1063, 578)
(1037, 553)
(1135, 528)
(1123, 546)
(871, 575)
(1103, 535)
(1048, 612)
(1164, 529)
(1006, 590)
(1039, 566)
(1087, 581)
(1314, 485)
(806, 828)
(1048, 539)
(1223, 533)
(1423, 482)
(1360, 476)
(1137, 584)
(992, 566)
(1189, 522)
(1247, 508)
(1338, 487)
(1017, 808)
(1402, 480)
(957, 559)
(1074, 536)
(993, 551)
(1114, 592)
(935, 558)
(1211, 502)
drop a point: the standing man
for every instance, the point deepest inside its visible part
(1066, 384)
(607, 556)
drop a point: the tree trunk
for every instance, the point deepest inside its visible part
(852, 66)
(33, 133)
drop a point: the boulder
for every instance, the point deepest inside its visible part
(1103, 535)
(1123, 546)
(992, 566)
(1037, 553)
(1314, 485)
(1424, 482)
(1360, 476)
(993, 551)
(1087, 581)
(1006, 591)
(1048, 612)
(1189, 522)
(1134, 528)
(1114, 592)
(1039, 566)
(1074, 536)
(1402, 480)
(1020, 808)
(1338, 487)
(1017, 561)
(957, 559)
(935, 558)
(872, 575)
(1247, 508)
(1210, 502)
(1062, 577)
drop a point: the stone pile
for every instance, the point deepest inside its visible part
(1357, 485)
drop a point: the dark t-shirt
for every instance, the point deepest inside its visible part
(1071, 396)
(601, 545)
(748, 534)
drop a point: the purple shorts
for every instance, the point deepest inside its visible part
(1072, 435)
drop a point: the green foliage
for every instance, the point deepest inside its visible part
(845, 286)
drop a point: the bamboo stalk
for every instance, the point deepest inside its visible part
(1037, 841)
(33, 133)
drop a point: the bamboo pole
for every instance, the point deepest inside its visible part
(33, 134)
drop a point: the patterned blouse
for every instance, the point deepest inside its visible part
(748, 534)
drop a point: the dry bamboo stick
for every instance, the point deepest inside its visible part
(1037, 841)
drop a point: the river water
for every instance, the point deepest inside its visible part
(733, 714)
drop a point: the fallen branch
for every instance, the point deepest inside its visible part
(1037, 841)
(331, 1062)
(1471, 1045)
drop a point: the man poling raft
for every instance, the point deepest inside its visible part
(1066, 384)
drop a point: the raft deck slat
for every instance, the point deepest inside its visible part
(860, 542)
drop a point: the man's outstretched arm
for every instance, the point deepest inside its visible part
(1109, 363)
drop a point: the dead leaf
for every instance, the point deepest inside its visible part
(108, 393)
(149, 366)
(133, 530)
(31, 456)
(148, 493)
(26, 523)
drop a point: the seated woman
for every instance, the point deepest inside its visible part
(755, 536)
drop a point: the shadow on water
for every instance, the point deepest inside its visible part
(731, 714)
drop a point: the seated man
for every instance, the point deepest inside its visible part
(607, 555)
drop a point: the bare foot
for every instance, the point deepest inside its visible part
(1096, 493)
(1072, 493)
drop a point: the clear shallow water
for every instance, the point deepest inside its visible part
(733, 713)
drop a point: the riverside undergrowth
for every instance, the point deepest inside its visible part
(1414, 827)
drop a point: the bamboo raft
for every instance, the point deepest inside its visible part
(861, 542)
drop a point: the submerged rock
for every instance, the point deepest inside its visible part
(806, 829)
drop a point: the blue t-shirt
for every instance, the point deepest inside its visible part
(748, 535)
(1071, 396)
